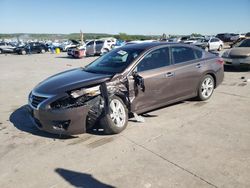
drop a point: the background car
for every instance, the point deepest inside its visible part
(225, 37)
(210, 44)
(6, 47)
(34, 47)
(238, 55)
(193, 40)
(236, 37)
(68, 44)
(98, 47)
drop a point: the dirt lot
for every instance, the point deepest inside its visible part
(189, 144)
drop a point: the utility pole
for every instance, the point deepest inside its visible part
(81, 36)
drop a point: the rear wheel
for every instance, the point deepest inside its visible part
(1, 51)
(23, 52)
(206, 88)
(116, 121)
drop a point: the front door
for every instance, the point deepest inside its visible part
(156, 72)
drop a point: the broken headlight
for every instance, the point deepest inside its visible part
(92, 91)
(77, 98)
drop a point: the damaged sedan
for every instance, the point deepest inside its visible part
(127, 81)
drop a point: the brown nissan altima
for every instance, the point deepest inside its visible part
(129, 80)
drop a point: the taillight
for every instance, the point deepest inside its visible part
(220, 61)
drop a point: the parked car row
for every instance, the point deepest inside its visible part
(92, 47)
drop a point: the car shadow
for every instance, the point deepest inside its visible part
(79, 179)
(20, 118)
(236, 68)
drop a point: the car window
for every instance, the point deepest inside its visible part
(214, 40)
(182, 54)
(155, 59)
(99, 42)
(245, 43)
(90, 43)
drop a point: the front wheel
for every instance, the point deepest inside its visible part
(220, 48)
(206, 88)
(23, 52)
(42, 51)
(117, 119)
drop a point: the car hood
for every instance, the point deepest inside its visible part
(69, 80)
(240, 51)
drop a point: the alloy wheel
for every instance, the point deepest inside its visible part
(117, 113)
(207, 87)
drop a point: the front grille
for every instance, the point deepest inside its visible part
(36, 100)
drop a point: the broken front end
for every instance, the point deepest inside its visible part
(76, 111)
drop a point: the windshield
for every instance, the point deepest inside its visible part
(114, 62)
(244, 43)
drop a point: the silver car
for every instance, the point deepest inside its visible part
(98, 47)
(6, 48)
(239, 55)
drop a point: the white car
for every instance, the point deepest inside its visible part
(210, 44)
(6, 47)
(98, 47)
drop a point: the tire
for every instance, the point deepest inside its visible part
(220, 48)
(23, 52)
(206, 48)
(117, 120)
(1, 51)
(206, 88)
(43, 51)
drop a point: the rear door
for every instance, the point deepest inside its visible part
(98, 46)
(187, 70)
(90, 48)
(155, 69)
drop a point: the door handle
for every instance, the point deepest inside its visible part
(198, 65)
(169, 74)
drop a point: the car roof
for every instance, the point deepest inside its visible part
(149, 45)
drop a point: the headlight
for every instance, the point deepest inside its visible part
(92, 91)
(226, 53)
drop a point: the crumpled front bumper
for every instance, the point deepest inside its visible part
(70, 121)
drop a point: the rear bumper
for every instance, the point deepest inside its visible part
(219, 76)
(236, 62)
(65, 122)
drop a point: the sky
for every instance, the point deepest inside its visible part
(149, 17)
